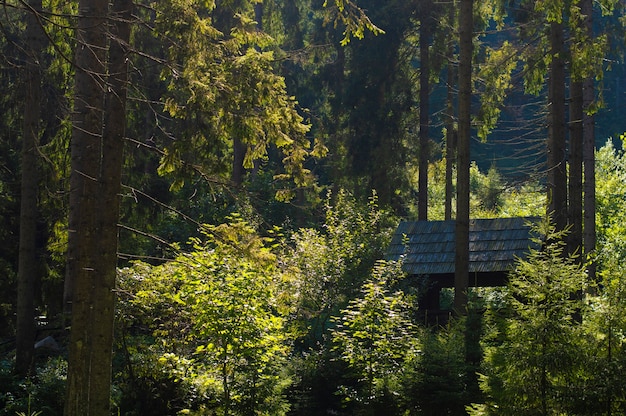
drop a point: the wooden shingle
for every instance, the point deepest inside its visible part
(428, 247)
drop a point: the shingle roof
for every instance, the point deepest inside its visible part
(428, 246)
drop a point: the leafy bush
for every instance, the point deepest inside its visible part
(374, 335)
(610, 207)
(43, 394)
(204, 331)
(329, 266)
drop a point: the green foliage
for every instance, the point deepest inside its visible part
(211, 330)
(353, 18)
(533, 346)
(604, 324)
(373, 335)
(535, 69)
(546, 351)
(217, 329)
(326, 268)
(596, 387)
(42, 394)
(434, 378)
(599, 387)
(436, 190)
(552, 9)
(495, 78)
(610, 197)
(222, 86)
(329, 266)
(487, 190)
(528, 200)
(362, 97)
(491, 194)
(588, 52)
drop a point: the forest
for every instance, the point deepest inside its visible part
(198, 199)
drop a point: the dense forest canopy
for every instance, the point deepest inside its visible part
(197, 199)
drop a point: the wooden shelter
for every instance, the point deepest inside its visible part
(427, 249)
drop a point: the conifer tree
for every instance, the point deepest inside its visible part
(534, 341)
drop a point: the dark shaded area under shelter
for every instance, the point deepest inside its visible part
(427, 251)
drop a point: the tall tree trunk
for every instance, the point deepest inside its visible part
(589, 155)
(424, 42)
(84, 228)
(450, 129)
(575, 166)
(109, 203)
(461, 272)
(557, 177)
(27, 263)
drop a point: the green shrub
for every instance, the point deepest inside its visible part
(43, 394)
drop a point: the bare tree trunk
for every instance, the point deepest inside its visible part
(557, 176)
(589, 155)
(86, 148)
(97, 154)
(109, 204)
(576, 167)
(28, 263)
(461, 272)
(424, 42)
(450, 129)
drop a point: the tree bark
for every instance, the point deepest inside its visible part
(424, 117)
(84, 231)
(557, 176)
(589, 155)
(450, 129)
(461, 272)
(109, 204)
(28, 263)
(575, 166)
